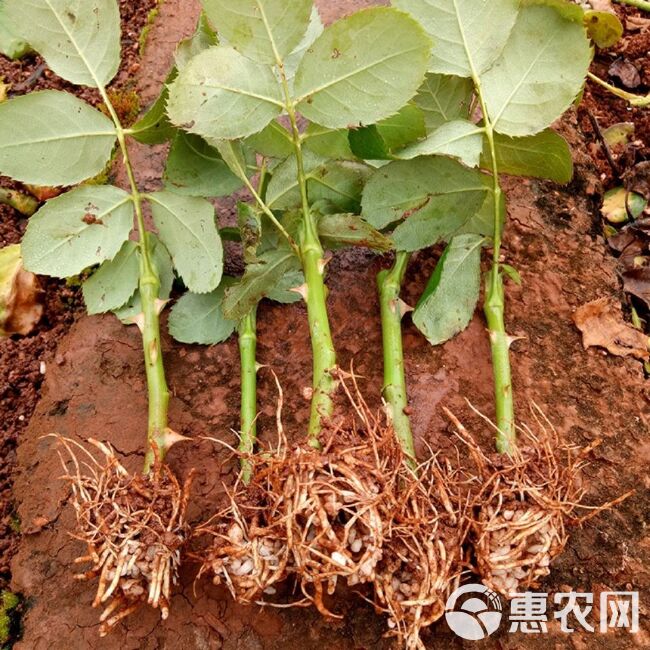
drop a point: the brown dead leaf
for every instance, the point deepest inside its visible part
(602, 325)
(602, 5)
(626, 72)
(636, 281)
(636, 23)
(20, 295)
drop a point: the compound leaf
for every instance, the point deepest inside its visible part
(468, 35)
(194, 168)
(339, 182)
(52, 138)
(314, 30)
(114, 282)
(449, 300)
(336, 230)
(460, 139)
(362, 69)
(259, 280)
(431, 197)
(223, 95)
(443, 98)
(76, 230)
(261, 28)
(544, 155)
(199, 318)
(186, 225)
(539, 73)
(165, 269)
(79, 40)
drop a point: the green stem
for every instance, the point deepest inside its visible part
(26, 205)
(247, 355)
(494, 306)
(158, 435)
(389, 283)
(639, 4)
(631, 98)
(313, 264)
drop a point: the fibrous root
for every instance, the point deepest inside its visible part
(133, 525)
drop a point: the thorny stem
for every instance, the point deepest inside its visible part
(247, 355)
(634, 100)
(313, 264)
(389, 283)
(494, 306)
(158, 435)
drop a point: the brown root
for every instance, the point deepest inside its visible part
(423, 556)
(134, 528)
(318, 515)
(524, 504)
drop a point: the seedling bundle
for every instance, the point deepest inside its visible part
(389, 130)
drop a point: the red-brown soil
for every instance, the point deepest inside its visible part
(96, 388)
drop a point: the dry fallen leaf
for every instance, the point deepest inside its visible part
(20, 294)
(602, 325)
(626, 72)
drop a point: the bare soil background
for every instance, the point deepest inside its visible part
(94, 387)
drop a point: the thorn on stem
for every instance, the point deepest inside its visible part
(301, 290)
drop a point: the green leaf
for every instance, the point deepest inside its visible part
(203, 38)
(544, 155)
(80, 41)
(274, 141)
(406, 126)
(449, 300)
(114, 282)
(539, 73)
(433, 196)
(604, 28)
(340, 183)
(259, 280)
(11, 45)
(76, 230)
(154, 126)
(52, 138)
(482, 223)
(199, 318)
(194, 168)
(186, 225)
(362, 69)
(234, 156)
(468, 35)
(283, 291)
(336, 230)
(378, 141)
(459, 139)
(444, 98)
(221, 94)
(314, 30)
(165, 269)
(328, 143)
(261, 28)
